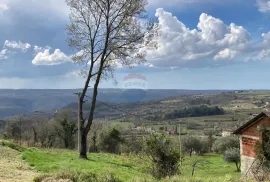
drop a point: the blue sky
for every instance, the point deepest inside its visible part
(204, 44)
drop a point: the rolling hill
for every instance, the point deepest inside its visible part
(16, 102)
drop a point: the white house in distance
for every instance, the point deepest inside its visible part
(226, 133)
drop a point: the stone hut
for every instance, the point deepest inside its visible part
(249, 134)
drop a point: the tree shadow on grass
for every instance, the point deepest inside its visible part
(121, 165)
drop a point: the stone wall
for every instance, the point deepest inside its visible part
(246, 164)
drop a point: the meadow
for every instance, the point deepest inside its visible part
(209, 167)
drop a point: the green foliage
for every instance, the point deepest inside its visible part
(164, 156)
(12, 145)
(195, 111)
(66, 129)
(133, 145)
(161, 128)
(210, 137)
(232, 155)
(194, 144)
(261, 155)
(262, 150)
(5, 136)
(12, 130)
(224, 143)
(110, 141)
(128, 168)
(199, 101)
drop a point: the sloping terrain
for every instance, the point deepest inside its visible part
(13, 168)
(16, 102)
(128, 167)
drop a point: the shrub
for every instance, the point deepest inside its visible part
(232, 155)
(12, 145)
(110, 141)
(134, 145)
(261, 170)
(222, 144)
(164, 156)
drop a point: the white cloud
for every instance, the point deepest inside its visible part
(17, 45)
(178, 45)
(264, 49)
(43, 8)
(56, 82)
(38, 49)
(3, 54)
(172, 2)
(74, 74)
(189, 5)
(227, 54)
(263, 5)
(56, 58)
(3, 7)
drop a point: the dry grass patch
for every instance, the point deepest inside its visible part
(13, 168)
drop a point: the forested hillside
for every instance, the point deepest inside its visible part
(16, 102)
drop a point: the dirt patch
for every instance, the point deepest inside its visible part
(13, 168)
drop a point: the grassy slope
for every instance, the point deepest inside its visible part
(210, 166)
(51, 161)
(12, 168)
(126, 168)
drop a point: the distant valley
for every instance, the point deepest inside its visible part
(16, 102)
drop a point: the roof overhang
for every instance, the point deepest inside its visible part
(251, 122)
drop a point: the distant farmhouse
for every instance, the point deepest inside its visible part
(249, 134)
(227, 132)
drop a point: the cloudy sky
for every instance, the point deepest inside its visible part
(204, 44)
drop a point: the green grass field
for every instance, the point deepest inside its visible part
(127, 167)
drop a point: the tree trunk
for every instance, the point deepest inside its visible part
(83, 149)
(66, 143)
(193, 170)
(237, 167)
(35, 136)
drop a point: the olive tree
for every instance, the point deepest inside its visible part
(232, 155)
(163, 154)
(105, 33)
(222, 144)
(192, 144)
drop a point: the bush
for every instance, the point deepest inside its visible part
(134, 145)
(261, 170)
(164, 155)
(13, 146)
(110, 141)
(232, 155)
(224, 143)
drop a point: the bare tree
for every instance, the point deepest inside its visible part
(105, 33)
(13, 129)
